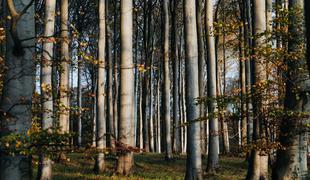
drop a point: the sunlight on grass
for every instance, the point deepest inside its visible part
(147, 166)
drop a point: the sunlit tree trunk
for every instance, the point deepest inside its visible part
(213, 157)
(45, 164)
(101, 93)
(126, 126)
(259, 159)
(65, 60)
(193, 162)
(15, 105)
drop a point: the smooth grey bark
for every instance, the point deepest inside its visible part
(213, 157)
(110, 116)
(151, 107)
(126, 125)
(64, 75)
(18, 88)
(166, 93)
(45, 164)
(258, 159)
(101, 93)
(176, 109)
(158, 139)
(193, 162)
(201, 75)
(291, 162)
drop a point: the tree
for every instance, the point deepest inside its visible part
(126, 125)
(101, 96)
(16, 99)
(167, 82)
(291, 160)
(45, 164)
(213, 157)
(65, 60)
(259, 159)
(201, 65)
(176, 88)
(193, 162)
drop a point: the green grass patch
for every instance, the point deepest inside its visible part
(147, 166)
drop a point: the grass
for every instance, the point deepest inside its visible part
(147, 166)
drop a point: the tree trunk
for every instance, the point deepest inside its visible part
(175, 60)
(166, 93)
(126, 131)
(17, 94)
(213, 157)
(201, 75)
(259, 159)
(65, 60)
(146, 80)
(193, 162)
(45, 164)
(110, 106)
(291, 162)
(79, 102)
(101, 94)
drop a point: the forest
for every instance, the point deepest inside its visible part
(154, 89)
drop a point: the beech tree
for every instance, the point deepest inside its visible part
(16, 99)
(213, 152)
(291, 160)
(193, 162)
(45, 164)
(101, 96)
(126, 134)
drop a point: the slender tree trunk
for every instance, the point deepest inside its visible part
(193, 162)
(126, 135)
(213, 158)
(248, 43)
(242, 67)
(201, 75)
(79, 102)
(175, 60)
(259, 159)
(101, 95)
(17, 93)
(158, 116)
(65, 60)
(45, 164)
(116, 72)
(95, 111)
(110, 83)
(166, 93)
(146, 80)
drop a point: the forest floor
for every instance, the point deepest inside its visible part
(147, 166)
